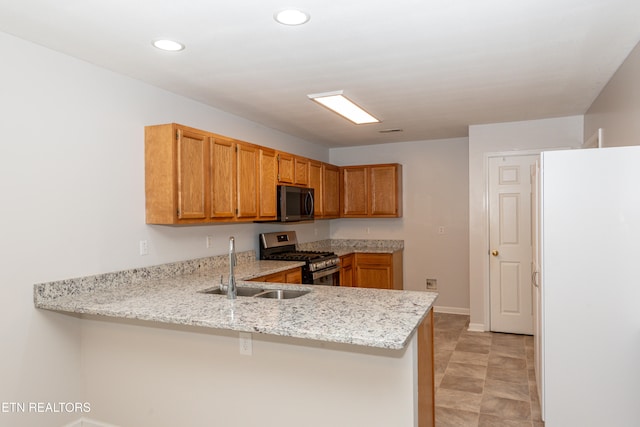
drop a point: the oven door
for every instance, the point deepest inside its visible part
(327, 277)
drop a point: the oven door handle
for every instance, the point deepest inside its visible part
(322, 273)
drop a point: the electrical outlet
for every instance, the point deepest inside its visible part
(144, 247)
(246, 347)
(209, 241)
(432, 284)
(441, 229)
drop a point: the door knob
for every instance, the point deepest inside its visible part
(495, 253)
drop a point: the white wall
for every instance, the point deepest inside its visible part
(436, 182)
(531, 135)
(617, 108)
(72, 185)
(141, 375)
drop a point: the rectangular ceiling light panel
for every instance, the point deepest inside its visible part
(338, 103)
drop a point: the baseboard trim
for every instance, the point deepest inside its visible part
(451, 310)
(476, 327)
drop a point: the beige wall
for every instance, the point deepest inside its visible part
(436, 183)
(617, 108)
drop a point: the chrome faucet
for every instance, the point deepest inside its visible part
(232, 291)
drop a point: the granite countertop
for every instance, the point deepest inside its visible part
(170, 294)
(347, 246)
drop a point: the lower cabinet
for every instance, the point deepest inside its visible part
(372, 270)
(292, 276)
(346, 270)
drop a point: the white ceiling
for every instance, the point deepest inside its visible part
(429, 67)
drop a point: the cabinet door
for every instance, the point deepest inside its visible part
(223, 178)
(374, 271)
(301, 166)
(268, 184)
(330, 191)
(346, 270)
(286, 169)
(247, 176)
(386, 199)
(293, 276)
(355, 191)
(315, 182)
(192, 166)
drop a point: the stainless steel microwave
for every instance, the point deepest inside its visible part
(295, 203)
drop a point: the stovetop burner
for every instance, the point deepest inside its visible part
(300, 255)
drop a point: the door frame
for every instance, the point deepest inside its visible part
(486, 288)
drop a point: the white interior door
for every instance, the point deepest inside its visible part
(510, 243)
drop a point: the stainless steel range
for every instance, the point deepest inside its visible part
(321, 268)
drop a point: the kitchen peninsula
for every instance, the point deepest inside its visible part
(334, 356)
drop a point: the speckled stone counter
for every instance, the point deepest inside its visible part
(347, 246)
(169, 294)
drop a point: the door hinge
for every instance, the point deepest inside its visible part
(177, 133)
(236, 211)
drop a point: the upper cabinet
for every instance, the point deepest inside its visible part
(371, 191)
(330, 191)
(193, 176)
(315, 182)
(267, 194)
(293, 170)
(325, 180)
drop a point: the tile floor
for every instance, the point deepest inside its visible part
(482, 378)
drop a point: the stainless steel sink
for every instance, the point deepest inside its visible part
(280, 294)
(246, 291)
(242, 291)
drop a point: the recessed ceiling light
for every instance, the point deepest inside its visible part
(168, 45)
(291, 17)
(338, 103)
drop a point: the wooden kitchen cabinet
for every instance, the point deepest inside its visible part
(291, 276)
(301, 166)
(286, 168)
(223, 178)
(346, 270)
(355, 190)
(247, 181)
(315, 182)
(293, 169)
(371, 191)
(176, 174)
(197, 177)
(378, 270)
(330, 191)
(193, 176)
(325, 180)
(267, 194)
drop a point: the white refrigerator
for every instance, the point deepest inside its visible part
(589, 287)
